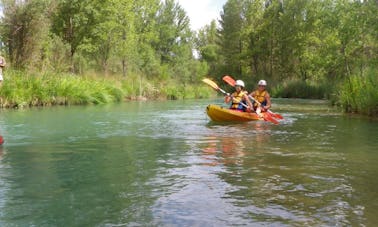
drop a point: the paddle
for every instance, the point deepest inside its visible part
(214, 85)
(217, 88)
(231, 81)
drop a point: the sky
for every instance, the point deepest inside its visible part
(202, 12)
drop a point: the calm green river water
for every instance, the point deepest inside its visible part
(166, 164)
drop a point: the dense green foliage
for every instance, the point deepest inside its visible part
(47, 89)
(148, 42)
(297, 88)
(302, 48)
(150, 37)
(359, 94)
(293, 39)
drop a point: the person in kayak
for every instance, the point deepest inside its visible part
(239, 99)
(2, 65)
(261, 97)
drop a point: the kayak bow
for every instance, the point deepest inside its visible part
(220, 114)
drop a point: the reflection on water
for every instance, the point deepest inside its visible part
(165, 164)
(1, 152)
(271, 181)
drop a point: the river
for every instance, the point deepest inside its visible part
(165, 164)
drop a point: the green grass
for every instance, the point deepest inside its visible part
(356, 94)
(186, 92)
(301, 89)
(22, 89)
(359, 94)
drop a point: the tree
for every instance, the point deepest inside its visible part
(146, 28)
(74, 21)
(24, 29)
(232, 23)
(207, 45)
(113, 36)
(175, 43)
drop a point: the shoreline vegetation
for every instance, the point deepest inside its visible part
(355, 94)
(91, 52)
(21, 90)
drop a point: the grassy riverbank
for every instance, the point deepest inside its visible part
(355, 94)
(22, 89)
(359, 94)
(297, 88)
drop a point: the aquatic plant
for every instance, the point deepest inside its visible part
(359, 94)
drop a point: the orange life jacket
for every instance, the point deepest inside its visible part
(260, 96)
(237, 100)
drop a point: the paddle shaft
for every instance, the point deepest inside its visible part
(225, 93)
(268, 110)
(243, 104)
(216, 87)
(228, 79)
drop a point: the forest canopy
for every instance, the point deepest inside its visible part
(275, 39)
(148, 37)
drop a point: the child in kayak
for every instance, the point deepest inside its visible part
(239, 99)
(261, 98)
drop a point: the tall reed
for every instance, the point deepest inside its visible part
(296, 88)
(21, 89)
(359, 94)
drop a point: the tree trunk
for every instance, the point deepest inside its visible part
(105, 67)
(72, 64)
(123, 68)
(240, 59)
(70, 38)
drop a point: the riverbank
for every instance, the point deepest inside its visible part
(355, 94)
(20, 89)
(359, 94)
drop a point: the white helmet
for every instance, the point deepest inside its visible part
(239, 83)
(262, 83)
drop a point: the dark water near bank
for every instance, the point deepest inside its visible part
(165, 164)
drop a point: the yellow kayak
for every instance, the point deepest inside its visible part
(220, 114)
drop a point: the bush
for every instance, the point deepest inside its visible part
(359, 94)
(301, 89)
(21, 89)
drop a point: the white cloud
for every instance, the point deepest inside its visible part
(202, 12)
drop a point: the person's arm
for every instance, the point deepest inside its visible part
(252, 94)
(228, 98)
(249, 103)
(2, 62)
(268, 102)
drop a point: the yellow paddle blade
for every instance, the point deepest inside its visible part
(211, 83)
